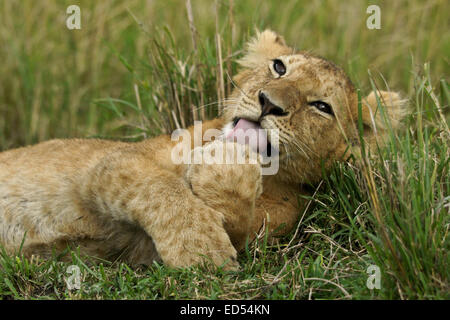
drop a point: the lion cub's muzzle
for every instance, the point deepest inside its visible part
(268, 107)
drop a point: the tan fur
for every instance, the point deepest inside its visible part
(130, 201)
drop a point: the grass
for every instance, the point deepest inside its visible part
(136, 70)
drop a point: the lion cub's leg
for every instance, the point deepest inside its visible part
(230, 188)
(184, 229)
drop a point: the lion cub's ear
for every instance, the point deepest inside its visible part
(380, 110)
(264, 46)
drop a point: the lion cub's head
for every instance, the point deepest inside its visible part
(311, 102)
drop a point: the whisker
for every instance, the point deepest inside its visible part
(297, 144)
(305, 145)
(216, 103)
(300, 145)
(236, 86)
(250, 103)
(287, 155)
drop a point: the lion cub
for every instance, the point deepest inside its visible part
(131, 201)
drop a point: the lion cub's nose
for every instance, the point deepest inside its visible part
(268, 107)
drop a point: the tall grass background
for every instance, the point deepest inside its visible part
(141, 68)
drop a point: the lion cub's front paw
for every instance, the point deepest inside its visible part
(203, 240)
(219, 254)
(230, 187)
(225, 170)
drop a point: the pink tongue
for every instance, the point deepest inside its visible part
(249, 132)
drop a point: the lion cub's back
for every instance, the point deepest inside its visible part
(58, 154)
(37, 185)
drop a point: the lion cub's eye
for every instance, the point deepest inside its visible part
(279, 67)
(322, 107)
